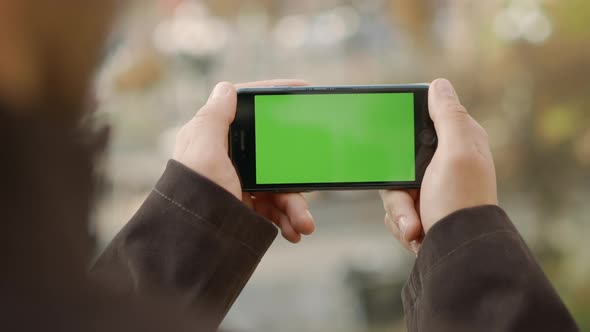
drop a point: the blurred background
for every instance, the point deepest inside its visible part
(521, 67)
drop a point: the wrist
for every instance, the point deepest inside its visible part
(448, 213)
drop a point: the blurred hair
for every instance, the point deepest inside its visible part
(57, 44)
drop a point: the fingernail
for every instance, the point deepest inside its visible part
(402, 223)
(309, 215)
(415, 247)
(444, 88)
(221, 90)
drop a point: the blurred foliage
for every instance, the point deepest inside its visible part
(556, 151)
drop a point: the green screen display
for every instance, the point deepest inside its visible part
(331, 138)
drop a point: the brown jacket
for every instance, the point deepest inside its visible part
(182, 260)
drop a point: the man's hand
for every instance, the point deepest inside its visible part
(202, 145)
(460, 175)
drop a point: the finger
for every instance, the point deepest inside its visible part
(451, 120)
(271, 212)
(222, 103)
(401, 207)
(394, 230)
(295, 207)
(413, 246)
(213, 119)
(270, 83)
(457, 131)
(391, 227)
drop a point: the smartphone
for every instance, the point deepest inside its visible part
(293, 139)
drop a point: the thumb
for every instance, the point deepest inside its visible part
(446, 111)
(214, 119)
(221, 105)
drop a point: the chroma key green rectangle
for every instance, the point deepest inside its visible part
(334, 138)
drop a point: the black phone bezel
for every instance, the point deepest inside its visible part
(242, 147)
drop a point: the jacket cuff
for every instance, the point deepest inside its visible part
(207, 202)
(448, 236)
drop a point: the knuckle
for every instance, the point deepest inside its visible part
(204, 118)
(205, 112)
(211, 113)
(455, 113)
(458, 110)
(396, 217)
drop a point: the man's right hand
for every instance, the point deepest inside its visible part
(460, 175)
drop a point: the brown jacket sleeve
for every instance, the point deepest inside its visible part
(475, 273)
(191, 242)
